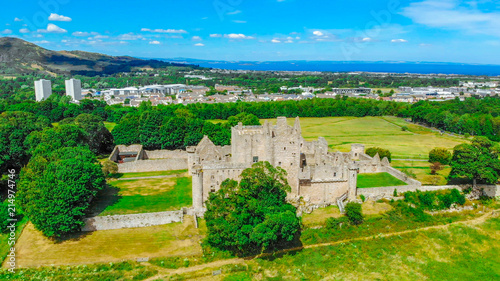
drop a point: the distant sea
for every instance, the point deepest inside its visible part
(339, 66)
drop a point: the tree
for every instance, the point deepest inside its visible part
(477, 161)
(50, 139)
(100, 140)
(55, 191)
(372, 151)
(252, 215)
(246, 119)
(127, 131)
(441, 155)
(435, 167)
(353, 213)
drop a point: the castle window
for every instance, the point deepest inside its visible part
(334, 174)
(355, 154)
(279, 163)
(256, 159)
(212, 189)
(284, 148)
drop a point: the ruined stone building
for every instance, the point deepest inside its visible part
(318, 176)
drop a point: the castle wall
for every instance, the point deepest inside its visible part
(131, 221)
(153, 165)
(323, 192)
(162, 154)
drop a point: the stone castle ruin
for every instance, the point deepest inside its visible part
(316, 176)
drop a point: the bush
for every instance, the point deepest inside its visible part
(395, 193)
(363, 198)
(336, 223)
(353, 213)
(434, 200)
(109, 168)
(440, 155)
(4, 216)
(404, 128)
(372, 151)
(435, 167)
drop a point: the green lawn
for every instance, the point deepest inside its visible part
(143, 196)
(385, 132)
(4, 237)
(378, 180)
(150, 174)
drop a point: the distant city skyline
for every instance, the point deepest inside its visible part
(269, 30)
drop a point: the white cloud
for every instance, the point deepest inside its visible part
(454, 15)
(238, 36)
(154, 42)
(38, 35)
(234, 12)
(24, 30)
(52, 28)
(196, 38)
(6, 31)
(367, 39)
(130, 37)
(164, 30)
(41, 42)
(239, 21)
(399, 41)
(18, 19)
(84, 34)
(275, 41)
(56, 17)
(199, 44)
(101, 37)
(215, 35)
(318, 33)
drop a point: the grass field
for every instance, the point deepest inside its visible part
(378, 180)
(143, 196)
(422, 171)
(385, 132)
(176, 239)
(319, 216)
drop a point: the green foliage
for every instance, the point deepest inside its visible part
(434, 200)
(55, 191)
(405, 128)
(336, 223)
(252, 215)
(363, 198)
(4, 216)
(100, 140)
(372, 151)
(440, 155)
(246, 119)
(50, 139)
(353, 213)
(109, 167)
(127, 131)
(476, 161)
(14, 128)
(395, 193)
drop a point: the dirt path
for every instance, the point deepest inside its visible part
(163, 272)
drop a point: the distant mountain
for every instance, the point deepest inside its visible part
(349, 66)
(19, 57)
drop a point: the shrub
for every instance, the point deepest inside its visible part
(372, 151)
(395, 193)
(109, 168)
(404, 128)
(363, 198)
(435, 167)
(335, 223)
(441, 155)
(353, 213)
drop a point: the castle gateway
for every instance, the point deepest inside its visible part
(318, 176)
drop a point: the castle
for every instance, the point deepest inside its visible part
(316, 176)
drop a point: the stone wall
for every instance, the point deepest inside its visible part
(400, 175)
(153, 165)
(164, 154)
(491, 190)
(133, 220)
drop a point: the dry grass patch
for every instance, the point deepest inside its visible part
(176, 239)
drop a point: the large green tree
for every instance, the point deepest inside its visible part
(477, 161)
(100, 140)
(252, 216)
(55, 191)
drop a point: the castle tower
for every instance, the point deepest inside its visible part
(352, 180)
(356, 150)
(197, 189)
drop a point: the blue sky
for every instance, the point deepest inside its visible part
(339, 30)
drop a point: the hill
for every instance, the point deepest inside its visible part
(20, 57)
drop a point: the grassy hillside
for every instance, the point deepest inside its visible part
(20, 57)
